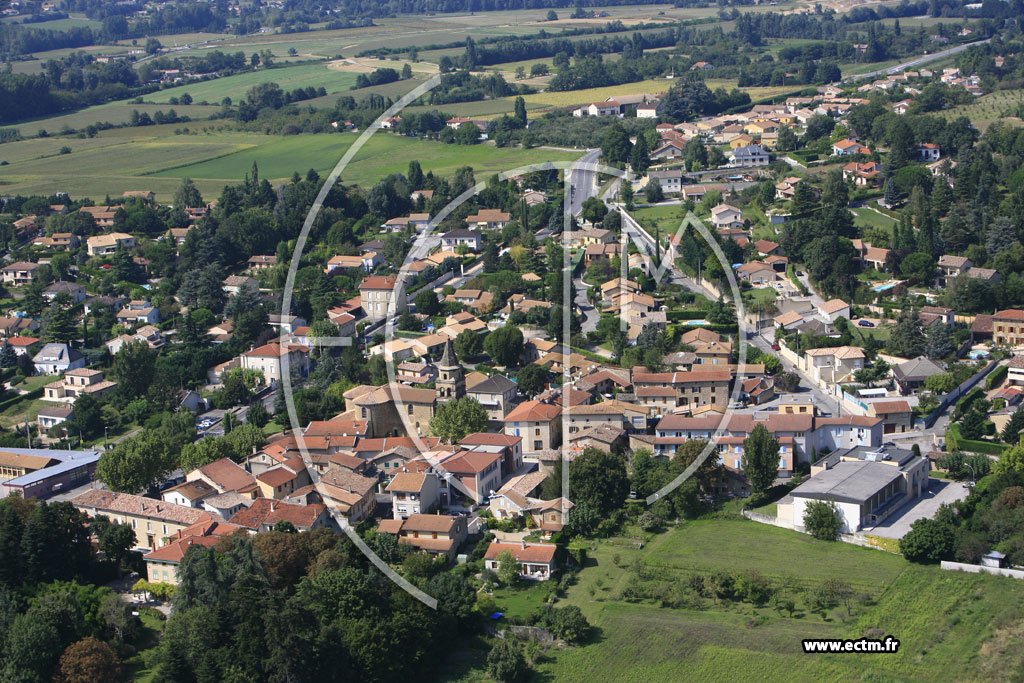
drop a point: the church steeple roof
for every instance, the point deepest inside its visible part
(448, 356)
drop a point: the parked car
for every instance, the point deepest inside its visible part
(775, 347)
(865, 323)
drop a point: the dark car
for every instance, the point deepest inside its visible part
(865, 323)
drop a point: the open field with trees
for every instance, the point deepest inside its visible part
(317, 75)
(950, 625)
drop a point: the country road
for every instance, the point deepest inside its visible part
(917, 61)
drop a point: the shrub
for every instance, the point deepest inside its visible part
(821, 519)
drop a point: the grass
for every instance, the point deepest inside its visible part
(760, 295)
(135, 667)
(951, 626)
(522, 600)
(290, 77)
(984, 110)
(113, 112)
(868, 218)
(154, 158)
(666, 217)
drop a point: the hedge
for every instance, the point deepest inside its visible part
(996, 377)
(956, 442)
(964, 404)
(677, 316)
(30, 396)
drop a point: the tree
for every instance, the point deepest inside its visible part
(939, 343)
(187, 195)
(468, 345)
(8, 356)
(135, 464)
(639, 156)
(928, 541)
(520, 110)
(653, 192)
(973, 425)
(552, 15)
(615, 145)
(1013, 428)
(1000, 236)
(60, 327)
(568, 623)
(941, 383)
(453, 420)
(133, 368)
(505, 346)
(115, 540)
(532, 379)
(257, 414)
(760, 459)
(505, 661)
(890, 194)
(89, 660)
(821, 519)
(427, 303)
(508, 568)
(598, 481)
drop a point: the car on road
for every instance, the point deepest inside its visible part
(865, 323)
(776, 347)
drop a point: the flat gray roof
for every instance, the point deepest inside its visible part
(848, 482)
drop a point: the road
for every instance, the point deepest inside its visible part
(918, 61)
(583, 181)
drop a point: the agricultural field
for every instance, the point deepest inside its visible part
(112, 112)
(949, 624)
(155, 158)
(290, 77)
(987, 109)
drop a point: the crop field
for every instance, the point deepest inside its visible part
(290, 77)
(156, 159)
(951, 626)
(113, 112)
(987, 109)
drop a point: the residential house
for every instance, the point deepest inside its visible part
(475, 474)
(496, 394)
(928, 152)
(536, 560)
(19, 273)
(234, 284)
(897, 416)
(434, 534)
(835, 364)
(671, 181)
(138, 312)
(261, 262)
(461, 236)
(833, 309)
(912, 374)
(265, 513)
(725, 216)
(109, 243)
(748, 157)
(537, 423)
(74, 291)
(1008, 327)
(189, 494)
(863, 175)
(489, 219)
(162, 564)
(413, 493)
(757, 273)
(848, 147)
(377, 294)
(56, 358)
(272, 359)
(76, 382)
(951, 267)
(151, 520)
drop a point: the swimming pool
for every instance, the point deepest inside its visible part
(695, 322)
(884, 287)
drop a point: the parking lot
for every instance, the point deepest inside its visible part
(939, 492)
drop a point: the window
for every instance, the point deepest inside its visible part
(134, 524)
(165, 529)
(408, 408)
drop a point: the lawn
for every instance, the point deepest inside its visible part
(520, 601)
(951, 626)
(666, 217)
(154, 158)
(135, 666)
(869, 218)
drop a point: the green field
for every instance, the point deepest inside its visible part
(987, 109)
(666, 217)
(869, 218)
(951, 626)
(154, 158)
(291, 77)
(113, 112)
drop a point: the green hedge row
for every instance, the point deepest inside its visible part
(996, 377)
(30, 396)
(964, 404)
(676, 316)
(956, 442)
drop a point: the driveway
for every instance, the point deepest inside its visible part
(939, 492)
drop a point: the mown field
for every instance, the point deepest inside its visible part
(987, 109)
(235, 87)
(951, 626)
(156, 159)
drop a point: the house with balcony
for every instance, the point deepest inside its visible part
(109, 243)
(77, 382)
(19, 273)
(434, 534)
(413, 493)
(536, 560)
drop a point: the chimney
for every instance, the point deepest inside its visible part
(273, 505)
(524, 544)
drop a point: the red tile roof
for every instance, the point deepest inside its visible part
(533, 552)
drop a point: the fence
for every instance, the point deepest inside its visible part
(853, 539)
(982, 569)
(955, 395)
